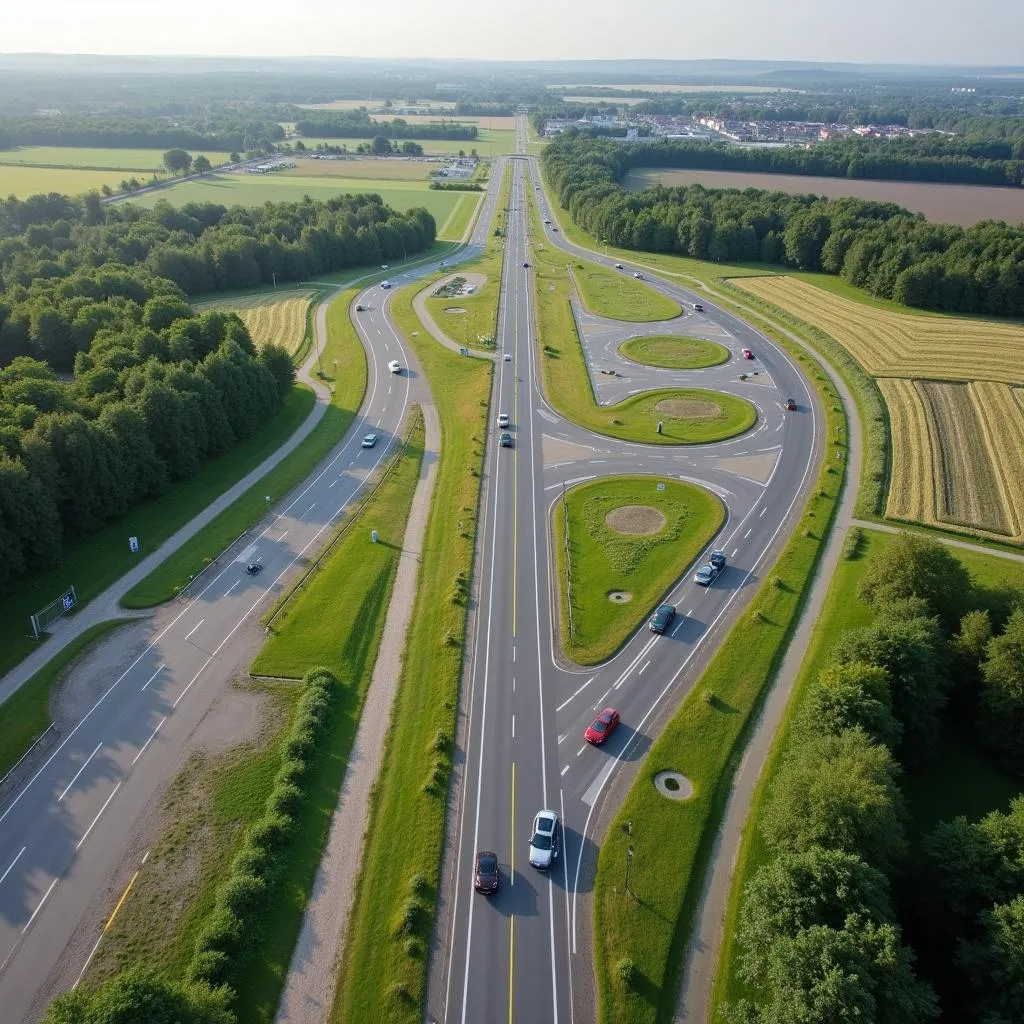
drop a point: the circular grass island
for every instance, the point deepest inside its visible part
(674, 352)
(686, 415)
(628, 543)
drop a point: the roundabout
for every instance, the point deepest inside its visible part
(674, 352)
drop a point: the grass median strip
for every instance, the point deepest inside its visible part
(383, 971)
(628, 543)
(342, 345)
(674, 352)
(612, 294)
(338, 614)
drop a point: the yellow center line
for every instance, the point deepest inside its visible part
(512, 831)
(511, 951)
(120, 902)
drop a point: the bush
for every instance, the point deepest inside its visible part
(242, 893)
(627, 972)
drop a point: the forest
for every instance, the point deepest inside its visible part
(112, 388)
(879, 247)
(854, 915)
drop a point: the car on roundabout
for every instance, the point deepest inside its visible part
(545, 841)
(747, 354)
(662, 618)
(790, 405)
(360, 307)
(698, 308)
(369, 441)
(602, 727)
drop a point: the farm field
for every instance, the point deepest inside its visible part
(103, 159)
(956, 407)
(383, 169)
(271, 316)
(22, 180)
(499, 123)
(664, 87)
(256, 189)
(490, 142)
(949, 204)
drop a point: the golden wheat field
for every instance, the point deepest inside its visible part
(271, 317)
(956, 421)
(889, 344)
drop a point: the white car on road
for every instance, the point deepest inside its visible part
(545, 842)
(502, 419)
(395, 366)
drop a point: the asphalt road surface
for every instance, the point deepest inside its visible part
(525, 954)
(64, 828)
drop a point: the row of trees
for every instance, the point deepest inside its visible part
(877, 246)
(820, 934)
(354, 124)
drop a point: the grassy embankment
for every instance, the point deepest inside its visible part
(961, 781)
(383, 971)
(706, 737)
(674, 352)
(480, 319)
(335, 619)
(602, 559)
(688, 415)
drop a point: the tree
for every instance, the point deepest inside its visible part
(381, 145)
(994, 962)
(201, 164)
(300, 146)
(840, 793)
(914, 566)
(1002, 694)
(851, 695)
(140, 995)
(235, 158)
(177, 161)
(412, 148)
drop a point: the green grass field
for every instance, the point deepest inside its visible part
(961, 780)
(370, 168)
(489, 142)
(22, 181)
(461, 215)
(620, 297)
(342, 344)
(382, 976)
(144, 160)
(674, 352)
(257, 189)
(601, 559)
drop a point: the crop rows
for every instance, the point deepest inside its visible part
(911, 493)
(891, 344)
(271, 318)
(1003, 420)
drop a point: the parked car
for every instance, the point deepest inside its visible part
(602, 727)
(662, 618)
(747, 354)
(486, 876)
(254, 568)
(790, 405)
(395, 366)
(545, 840)
(717, 559)
(698, 308)
(505, 440)
(502, 419)
(369, 441)
(706, 574)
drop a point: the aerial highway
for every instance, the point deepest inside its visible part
(67, 823)
(524, 954)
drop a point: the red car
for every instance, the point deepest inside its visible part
(747, 354)
(486, 876)
(790, 405)
(602, 727)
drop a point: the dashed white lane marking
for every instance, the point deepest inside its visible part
(311, 507)
(734, 550)
(194, 628)
(79, 772)
(644, 669)
(765, 509)
(565, 769)
(40, 907)
(10, 867)
(580, 751)
(283, 535)
(154, 675)
(576, 694)
(78, 845)
(226, 592)
(152, 735)
(748, 533)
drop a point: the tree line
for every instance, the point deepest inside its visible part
(354, 124)
(880, 247)
(112, 388)
(821, 935)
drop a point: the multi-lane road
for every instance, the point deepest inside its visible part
(66, 824)
(525, 954)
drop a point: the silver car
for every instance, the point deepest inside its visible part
(545, 842)
(706, 574)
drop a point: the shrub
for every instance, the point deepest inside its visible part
(627, 972)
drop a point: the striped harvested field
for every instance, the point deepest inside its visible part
(890, 344)
(271, 316)
(911, 491)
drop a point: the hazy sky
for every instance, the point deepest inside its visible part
(901, 31)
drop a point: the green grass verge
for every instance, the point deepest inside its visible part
(383, 975)
(95, 562)
(351, 584)
(26, 713)
(960, 781)
(620, 297)
(342, 344)
(674, 352)
(458, 220)
(477, 327)
(601, 559)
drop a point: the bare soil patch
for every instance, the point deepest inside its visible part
(455, 309)
(635, 520)
(688, 408)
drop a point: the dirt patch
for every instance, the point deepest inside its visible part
(619, 596)
(454, 309)
(635, 520)
(688, 408)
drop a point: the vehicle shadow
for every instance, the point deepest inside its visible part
(518, 899)
(576, 849)
(626, 743)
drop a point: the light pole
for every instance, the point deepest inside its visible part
(629, 861)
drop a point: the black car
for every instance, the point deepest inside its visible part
(717, 559)
(790, 405)
(698, 308)
(359, 308)
(662, 618)
(486, 876)
(254, 568)
(525, 263)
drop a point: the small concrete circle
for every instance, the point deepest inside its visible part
(674, 785)
(635, 520)
(619, 596)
